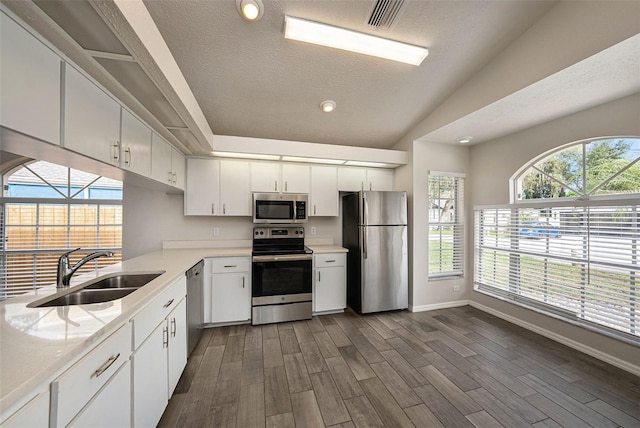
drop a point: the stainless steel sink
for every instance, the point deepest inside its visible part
(102, 289)
(124, 281)
(84, 297)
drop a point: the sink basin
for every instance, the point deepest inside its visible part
(103, 289)
(84, 297)
(123, 281)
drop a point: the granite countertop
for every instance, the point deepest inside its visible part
(38, 344)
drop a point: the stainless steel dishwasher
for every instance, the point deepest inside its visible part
(194, 304)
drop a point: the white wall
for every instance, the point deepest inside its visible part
(150, 217)
(493, 163)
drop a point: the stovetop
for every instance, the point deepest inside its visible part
(279, 241)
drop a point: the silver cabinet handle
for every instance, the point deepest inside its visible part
(230, 266)
(370, 186)
(286, 185)
(243, 281)
(224, 208)
(275, 184)
(173, 327)
(165, 337)
(170, 179)
(314, 210)
(127, 156)
(106, 365)
(329, 261)
(213, 208)
(318, 276)
(116, 151)
(175, 178)
(166, 305)
(362, 185)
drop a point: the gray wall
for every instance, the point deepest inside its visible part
(492, 165)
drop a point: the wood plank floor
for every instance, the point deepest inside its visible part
(455, 367)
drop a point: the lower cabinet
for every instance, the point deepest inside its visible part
(160, 356)
(34, 414)
(329, 282)
(227, 293)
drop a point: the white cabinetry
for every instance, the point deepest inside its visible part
(30, 82)
(329, 283)
(202, 194)
(324, 191)
(227, 294)
(135, 147)
(356, 179)
(34, 414)
(167, 164)
(91, 119)
(84, 381)
(160, 353)
(235, 183)
(281, 178)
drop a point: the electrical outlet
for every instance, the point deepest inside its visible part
(456, 288)
(313, 230)
(216, 231)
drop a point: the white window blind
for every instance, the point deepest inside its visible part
(579, 263)
(446, 227)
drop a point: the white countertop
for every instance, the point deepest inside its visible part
(38, 344)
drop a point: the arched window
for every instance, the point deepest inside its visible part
(583, 170)
(47, 210)
(569, 244)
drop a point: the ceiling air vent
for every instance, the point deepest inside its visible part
(384, 13)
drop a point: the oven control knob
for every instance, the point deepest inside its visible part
(261, 232)
(257, 233)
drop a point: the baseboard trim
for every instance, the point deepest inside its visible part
(614, 361)
(433, 307)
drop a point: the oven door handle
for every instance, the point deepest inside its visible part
(283, 258)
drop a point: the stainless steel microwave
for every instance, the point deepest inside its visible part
(277, 208)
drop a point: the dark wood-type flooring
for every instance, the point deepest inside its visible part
(456, 367)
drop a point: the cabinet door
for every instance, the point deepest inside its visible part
(380, 179)
(28, 67)
(295, 178)
(178, 168)
(177, 357)
(202, 194)
(235, 184)
(231, 297)
(351, 179)
(150, 378)
(160, 159)
(135, 147)
(91, 119)
(329, 289)
(111, 406)
(33, 414)
(324, 191)
(265, 177)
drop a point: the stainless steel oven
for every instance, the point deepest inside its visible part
(281, 275)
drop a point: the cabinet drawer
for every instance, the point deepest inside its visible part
(147, 320)
(329, 260)
(230, 264)
(75, 387)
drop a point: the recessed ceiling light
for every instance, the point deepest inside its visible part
(341, 38)
(251, 10)
(465, 140)
(328, 106)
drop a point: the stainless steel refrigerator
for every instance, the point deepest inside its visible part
(374, 230)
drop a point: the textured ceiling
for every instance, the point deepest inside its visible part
(250, 81)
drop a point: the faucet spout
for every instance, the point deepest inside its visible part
(65, 271)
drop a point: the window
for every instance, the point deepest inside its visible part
(575, 257)
(48, 210)
(446, 234)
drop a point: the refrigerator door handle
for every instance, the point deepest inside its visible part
(364, 242)
(365, 208)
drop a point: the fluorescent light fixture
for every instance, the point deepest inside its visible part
(312, 160)
(245, 155)
(341, 38)
(371, 164)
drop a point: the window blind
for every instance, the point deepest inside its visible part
(576, 262)
(446, 228)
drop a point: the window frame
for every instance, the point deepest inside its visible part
(458, 239)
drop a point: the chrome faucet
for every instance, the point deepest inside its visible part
(65, 271)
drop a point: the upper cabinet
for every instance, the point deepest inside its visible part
(280, 178)
(356, 179)
(202, 195)
(135, 148)
(167, 164)
(30, 82)
(324, 191)
(91, 119)
(235, 184)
